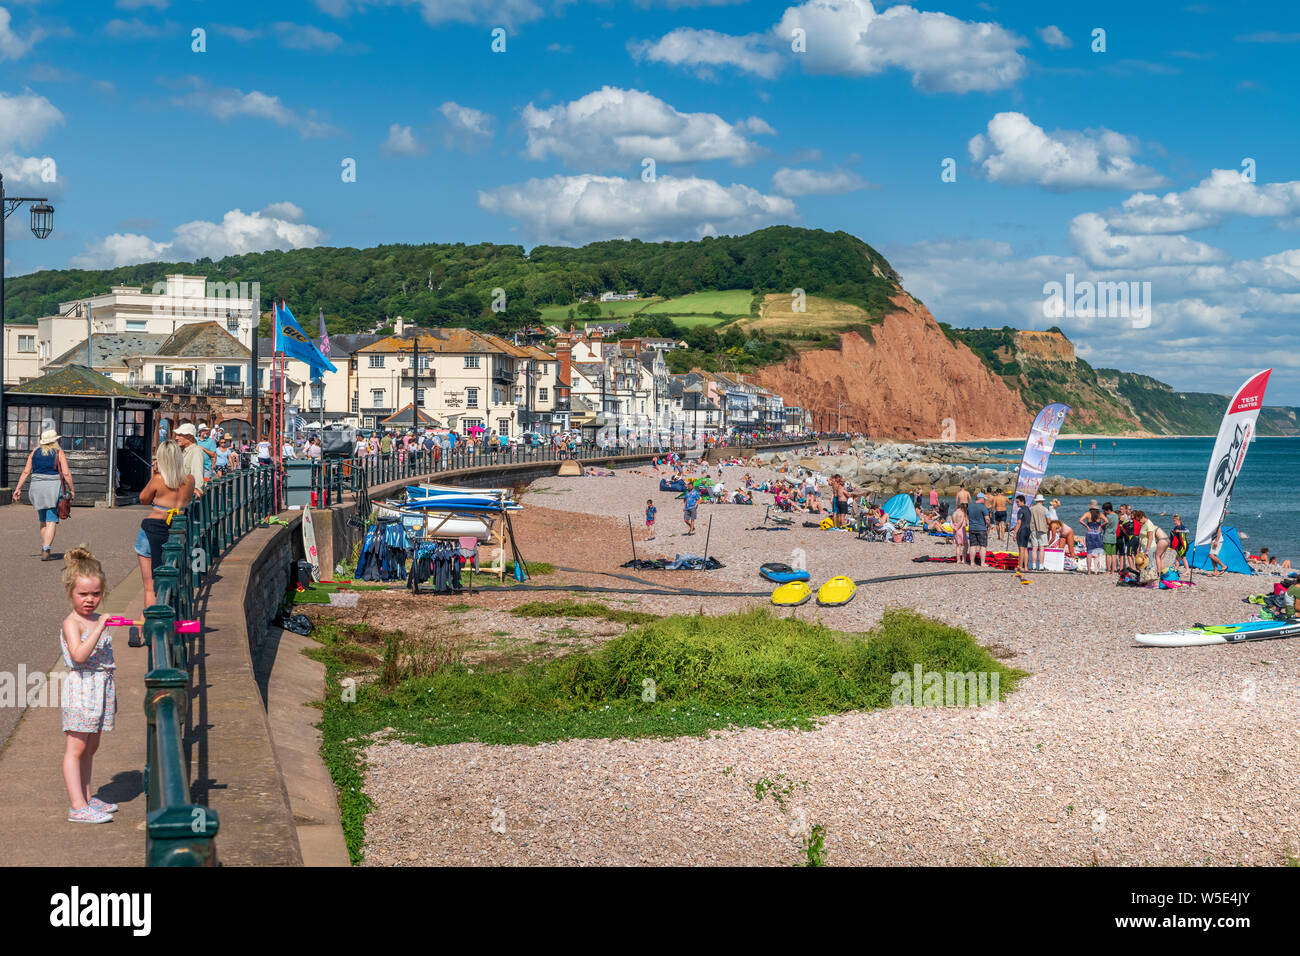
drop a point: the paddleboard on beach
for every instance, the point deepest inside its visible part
(1222, 634)
(309, 543)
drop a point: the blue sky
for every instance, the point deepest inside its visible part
(1122, 165)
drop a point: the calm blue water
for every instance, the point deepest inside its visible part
(1261, 508)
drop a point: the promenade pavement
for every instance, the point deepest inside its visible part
(33, 801)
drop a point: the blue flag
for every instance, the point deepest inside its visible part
(293, 342)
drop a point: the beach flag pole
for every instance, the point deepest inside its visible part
(631, 535)
(708, 531)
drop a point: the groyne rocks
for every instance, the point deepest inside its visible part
(890, 468)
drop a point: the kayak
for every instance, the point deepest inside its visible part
(431, 490)
(781, 573)
(1200, 634)
(792, 594)
(837, 591)
(460, 503)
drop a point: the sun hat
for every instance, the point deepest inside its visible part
(1038, 497)
(979, 496)
(187, 429)
(48, 436)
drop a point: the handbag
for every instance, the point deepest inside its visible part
(65, 503)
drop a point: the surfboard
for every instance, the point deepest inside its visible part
(309, 543)
(1221, 634)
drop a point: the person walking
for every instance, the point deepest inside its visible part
(1181, 543)
(1000, 514)
(1108, 545)
(170, 488)
(1022, 525)
(47, 467)
(1216, 565)
(691, 501)
(1038, 525)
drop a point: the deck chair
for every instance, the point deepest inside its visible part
(469, 549)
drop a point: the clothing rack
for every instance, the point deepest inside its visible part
(421, 543)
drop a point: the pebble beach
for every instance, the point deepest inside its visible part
(1108, 753)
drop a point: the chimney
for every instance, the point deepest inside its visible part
(563, 357)
(398, 326)
(598, 344)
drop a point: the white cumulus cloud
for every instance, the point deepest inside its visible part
(465, 128)
(704, 49)
(229, 103)
(1093, 239)
(505, 13)
(850, 38)
(278, 226)
(1014, 150)
(812, 182)
(941, 52)
(401, 142)
(577, 209)
(12, 46)
(1054, 38)
(614, 127)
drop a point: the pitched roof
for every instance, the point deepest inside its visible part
(203, 340)
(451, 341)
(344, 344)
(407, 415)
(110, 349)
(76, 380)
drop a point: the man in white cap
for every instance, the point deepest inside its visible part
(187, 438)
(1038, 527)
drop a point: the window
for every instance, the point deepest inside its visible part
(424, 363)
(503, 427)
(541, 395)
(498, 396)
(376, 398)
(471, 361)
(25, 424)
(471, 398)
(519, 395)
(419, 397)
(27, 343)
(376, 361)
(468, 423)
(158, 375)
(356, 402)
(137, 325)
(84, 429)
(232, 325)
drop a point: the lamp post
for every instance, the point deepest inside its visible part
(42, 226)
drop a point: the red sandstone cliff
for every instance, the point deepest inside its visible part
(904, 384)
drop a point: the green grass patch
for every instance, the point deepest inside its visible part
(728, 302)
(570, 608)
(320, 593)
(673, 676)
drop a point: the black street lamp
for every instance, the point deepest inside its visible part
(42, 226)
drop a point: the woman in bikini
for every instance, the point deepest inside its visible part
(169, 490)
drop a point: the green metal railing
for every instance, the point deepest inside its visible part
(179, 832)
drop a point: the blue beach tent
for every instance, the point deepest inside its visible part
(900, 507)
(1231, 554)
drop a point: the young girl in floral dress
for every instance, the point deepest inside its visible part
(88, 696)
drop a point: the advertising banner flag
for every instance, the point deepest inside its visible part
(1229, 455)
(1038, 448)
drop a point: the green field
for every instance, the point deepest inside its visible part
(620, 310)
(729, 302)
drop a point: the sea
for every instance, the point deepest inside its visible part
(1260, 510)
